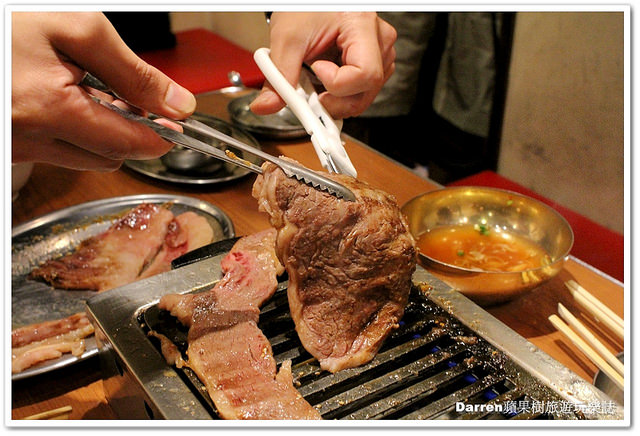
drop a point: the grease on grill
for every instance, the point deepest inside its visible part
(427, 366)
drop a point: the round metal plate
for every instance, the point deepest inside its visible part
(58, 232)
(156, 169)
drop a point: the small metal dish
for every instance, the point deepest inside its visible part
(185, 160)
(493, 209)
(281, 125)
(182, 159)
(194, 168)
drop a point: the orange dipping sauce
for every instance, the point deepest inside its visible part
(477, 247)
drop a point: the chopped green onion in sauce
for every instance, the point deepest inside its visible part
(482, 229)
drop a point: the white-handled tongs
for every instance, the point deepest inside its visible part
(291, 169)
(323, 129)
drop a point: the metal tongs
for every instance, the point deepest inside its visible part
(291, 169)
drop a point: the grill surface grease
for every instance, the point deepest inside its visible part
(431, 367)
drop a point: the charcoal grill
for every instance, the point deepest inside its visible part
(449, 359)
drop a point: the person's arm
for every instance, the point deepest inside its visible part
(55, 121)
(351, 53)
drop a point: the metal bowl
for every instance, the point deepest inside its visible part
(185, 160)
(280, 125)
(493, 209)
(182, 159)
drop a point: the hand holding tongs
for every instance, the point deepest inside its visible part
(291, 169)
(323, 129)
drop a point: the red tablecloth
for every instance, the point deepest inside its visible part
(201, 60)
(594, 244)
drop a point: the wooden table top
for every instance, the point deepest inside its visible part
(80, 386)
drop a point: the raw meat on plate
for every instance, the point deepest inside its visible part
(141, 244)
(47, 340)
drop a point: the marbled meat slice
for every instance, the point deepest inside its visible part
(39, 342)
(113, 258)
(37, 332)
(227, 350)
(186, 232)
(349, 264)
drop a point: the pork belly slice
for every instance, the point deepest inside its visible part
(227, 350)
(185, 233)
(349, 264)
(47, 329)
(39, 342)
(113, 258)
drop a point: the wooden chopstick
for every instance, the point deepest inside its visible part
(575, 287)
(596, 308)
(586, 349)
(59, 413)
(590, 339)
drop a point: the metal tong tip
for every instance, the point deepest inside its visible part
(298, 172)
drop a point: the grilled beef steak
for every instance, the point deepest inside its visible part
(227, 350)
(349, 264)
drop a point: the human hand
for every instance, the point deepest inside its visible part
(351, 53)
(54, 120)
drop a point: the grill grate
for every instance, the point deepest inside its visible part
(430, 364)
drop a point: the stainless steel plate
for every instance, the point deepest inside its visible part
(59, 232)
(281, 125)
(156, 169)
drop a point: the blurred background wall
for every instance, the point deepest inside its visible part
(246, 29)
(563, 130)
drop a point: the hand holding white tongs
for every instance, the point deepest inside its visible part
(323, 129)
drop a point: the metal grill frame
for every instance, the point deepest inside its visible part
(140, 385)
